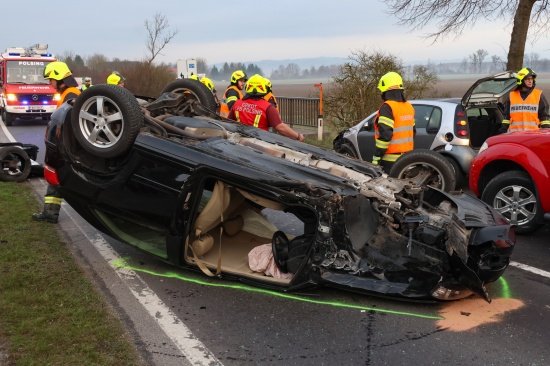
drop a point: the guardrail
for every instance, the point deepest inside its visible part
(299, 111)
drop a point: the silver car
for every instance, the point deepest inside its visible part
(456, 128)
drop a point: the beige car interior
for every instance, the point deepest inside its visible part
(227, 228)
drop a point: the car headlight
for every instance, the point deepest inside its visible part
(483, 147)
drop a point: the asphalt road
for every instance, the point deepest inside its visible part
(180, 317)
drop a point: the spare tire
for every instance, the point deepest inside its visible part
(106, 120)
(15, 164)
(194, 89)
(425, 167)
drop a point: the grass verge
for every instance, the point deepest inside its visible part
(50, 311)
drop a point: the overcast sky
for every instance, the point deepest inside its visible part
(244, 31)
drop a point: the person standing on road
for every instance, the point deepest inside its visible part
(63, 81)
(270, 97)
(233, 92)
(394, 128)
(116, 79)
(527, 108)
(254, 110)
(210, 85)
(87, 82)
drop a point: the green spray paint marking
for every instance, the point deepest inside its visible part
(505, 288)
(121, 263)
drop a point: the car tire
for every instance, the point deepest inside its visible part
(514, 195)
(15, 164)
(347, 150)
(460, 177)
(195, 89)
(425, 167)
(8, 118)
(110, 130)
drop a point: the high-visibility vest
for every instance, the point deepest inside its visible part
(66, 92)
(524, 114)
(403, 128)
(224, 108)
(252, 112)
(270, 97)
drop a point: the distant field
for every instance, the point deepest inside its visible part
(455, 85)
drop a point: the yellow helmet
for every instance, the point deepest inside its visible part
(206, 81)
(256, 85)
(57, 70)
(268, 84)
(194, 77)
(238, 75)
(390, 81)
(115, 78)
(523, 73)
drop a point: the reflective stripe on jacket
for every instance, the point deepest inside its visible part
(270, 97)
(252, 112)
(403, 130)
(224, 107)
(524, 114)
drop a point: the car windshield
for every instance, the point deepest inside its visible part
(494, 86)
(26, 72)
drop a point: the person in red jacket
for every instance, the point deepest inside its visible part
(62, 79)
(255, 111)
(394, 124)
(527, 108)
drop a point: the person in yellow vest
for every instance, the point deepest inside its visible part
(86, 83)
(394, 128)
(527, 108)
(210, 85)
(62, 79)
(270, 97)
(233, 92)
(254, 110)
(116, 79)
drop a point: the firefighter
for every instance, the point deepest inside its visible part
(254, 110)
(233, 92)
(210, 85)
(527, 108)
(63, 81)
(116, 79)
(394, 122)
(86, 83)
(270, 97)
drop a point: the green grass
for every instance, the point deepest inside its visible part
(50, 312)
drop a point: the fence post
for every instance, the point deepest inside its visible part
(320, 116)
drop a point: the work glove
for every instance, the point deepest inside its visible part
(376, 160)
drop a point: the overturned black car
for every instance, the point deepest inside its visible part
(172, 178)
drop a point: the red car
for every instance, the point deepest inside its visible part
(512, 174)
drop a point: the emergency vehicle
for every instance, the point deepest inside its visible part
(23, 91)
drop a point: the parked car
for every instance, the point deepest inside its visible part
(456, 128)
(172, 178)
(512, 174)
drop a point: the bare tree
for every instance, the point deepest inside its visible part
(158, 36)
(453, 16)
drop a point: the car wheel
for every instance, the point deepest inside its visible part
(347, 150)
(194, 89)
(513, 194)
(106, 120)
(8, 118)
(460, 177)
(15, 164)
(425, 167)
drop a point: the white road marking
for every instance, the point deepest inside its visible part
(527, 268)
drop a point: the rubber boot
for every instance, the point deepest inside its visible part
(50, 213)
